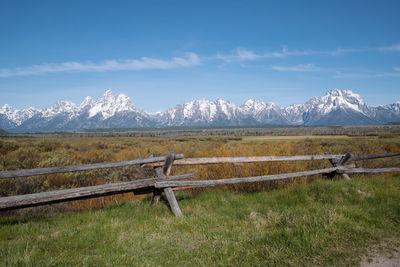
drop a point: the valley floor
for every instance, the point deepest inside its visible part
(325, 222)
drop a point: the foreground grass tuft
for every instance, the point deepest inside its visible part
(323, 223)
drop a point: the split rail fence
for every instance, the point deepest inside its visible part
(165, 183)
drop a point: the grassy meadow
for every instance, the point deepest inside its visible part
(302, 221)
(25, 153)
(322, 223)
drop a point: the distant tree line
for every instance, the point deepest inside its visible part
(228, 131)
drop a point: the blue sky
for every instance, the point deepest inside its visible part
(161, 53)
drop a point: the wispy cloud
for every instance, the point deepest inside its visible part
(246, 54)
(144, 63)
(243, 54)
(390, 48)
(369, 75)
(342, 51)
(340, 73)
(299, 68)
(240, 55)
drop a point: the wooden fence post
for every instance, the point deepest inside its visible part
(155, 198)
(161, 173)
(340, 162)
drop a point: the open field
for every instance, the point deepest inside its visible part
(25, 153)
(322, 223)
(292, 138)
(266, 130)
(298, 221)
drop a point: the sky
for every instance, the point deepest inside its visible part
(162, 53)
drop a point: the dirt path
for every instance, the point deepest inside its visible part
(385, 254)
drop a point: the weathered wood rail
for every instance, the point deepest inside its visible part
(37, 199)
(166, 184)
(203, 183)
(218, 160)
(85, 167)
(137, 186)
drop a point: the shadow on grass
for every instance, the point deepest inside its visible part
(7, 221)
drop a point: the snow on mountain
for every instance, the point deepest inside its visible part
(395, 107)
(18, 116)
(264, 112)
(227, 109)
(336, 107)
(87, 103)
(386, 113)
(256, 107)
(65, 115)
(61, 107)
(203, 112)
(294, 113)
(110, 104)
(335, 99)
(196, 112)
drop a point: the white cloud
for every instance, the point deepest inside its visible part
(390, 48)
(370, 75)
(286, 52)
(387, 74)
(143, 63)
(342, 51)
(240, 55)
(396, 68)
(298, 68)
(243, 54)
(247, 55)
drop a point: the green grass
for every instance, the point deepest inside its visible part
(322, 223)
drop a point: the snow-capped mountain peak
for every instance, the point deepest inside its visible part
(18, 116)
(6, 109)
(337, 99)
(201, 107)
(256, 106)
(61, 107)
(336, 107)
(109, 104)
(64, 106)
(87, 102)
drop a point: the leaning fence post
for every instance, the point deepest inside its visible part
(163, 172)
(342, 161)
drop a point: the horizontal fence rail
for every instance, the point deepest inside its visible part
(344, 169)
(217, 160)
(374, 156)
(204, 183)
(31, 200)
(85, 167)
(164, 183)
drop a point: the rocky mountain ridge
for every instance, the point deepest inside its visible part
(336, 107)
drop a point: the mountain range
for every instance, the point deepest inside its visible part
(336, 107)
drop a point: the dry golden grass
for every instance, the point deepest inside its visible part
(23, 153)
(293, 138)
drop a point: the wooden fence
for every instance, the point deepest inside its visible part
(165, 183)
